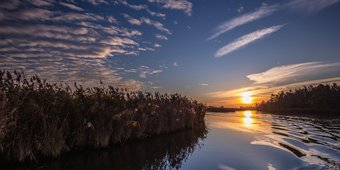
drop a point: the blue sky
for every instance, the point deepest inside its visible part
(210, 50)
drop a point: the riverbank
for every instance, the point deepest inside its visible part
(225, 109)
(39, 119)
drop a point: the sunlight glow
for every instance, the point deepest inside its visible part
(247, 114)
(247, 120)
(246, 98)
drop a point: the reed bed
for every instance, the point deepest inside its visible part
(168, 151)
(41, 119)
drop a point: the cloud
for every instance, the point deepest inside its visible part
(117, 41)
(132, 85)
(271, 167)
(13, 4)
(157, 45)
(147, 21)
(309, 6)
(183, 5)
(282, 73)
(132, 20)
(204, 84)
(71, 45)
(175, 64)
(141, 7)
(263, 11)
(161, 37)
(46, 31)
(71, 6)
(136, 7)
(70, 17)
(225, 167)
(41, 3)
(156, 24)
(240, 9)
(32, 14)
(112, 20)
(145, 71)
(245, 40)
(97, 2)
(264, 91)
(39, 14)
(303, 6)
(157, 14)
(281, 78)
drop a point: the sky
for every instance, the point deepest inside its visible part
(213, 51)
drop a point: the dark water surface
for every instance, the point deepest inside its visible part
(240, 140)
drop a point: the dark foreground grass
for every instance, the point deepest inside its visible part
(39, 119)
(168, 151)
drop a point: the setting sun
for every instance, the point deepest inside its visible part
(246, 98)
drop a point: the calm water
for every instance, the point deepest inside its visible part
(240, 140)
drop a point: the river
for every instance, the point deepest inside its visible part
(237, 140)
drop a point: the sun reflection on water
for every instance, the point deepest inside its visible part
(243, 121)
(247, 119)
(247, 114)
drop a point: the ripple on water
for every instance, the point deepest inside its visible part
(311, 140)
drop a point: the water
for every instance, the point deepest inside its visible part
(247, 140)
(239, 140)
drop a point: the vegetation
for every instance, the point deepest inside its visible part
(168, 151)
(221, 109)
(311, 99)
(226, 109)
(41, 119)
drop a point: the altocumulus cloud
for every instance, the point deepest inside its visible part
(183, 5)
(67, 41)
(142, 7)
(245, 40)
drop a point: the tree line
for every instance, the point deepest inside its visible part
(322, 98)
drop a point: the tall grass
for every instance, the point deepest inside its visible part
(41, 119)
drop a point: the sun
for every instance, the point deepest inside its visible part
(246, 98)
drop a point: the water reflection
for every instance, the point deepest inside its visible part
(164, 152)
(244, 121)
(247, 120)
(239, 140)
(301, 142)
(314, 141)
